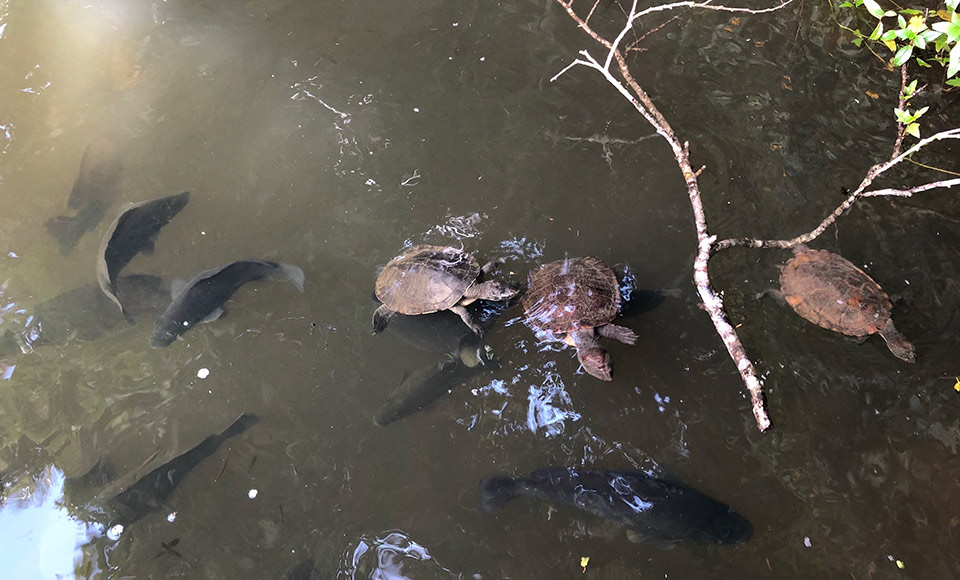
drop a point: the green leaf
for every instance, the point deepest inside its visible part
(923, 63)
(901, 21)
(929, 35)
(911, 87)
(877, 31)
(913, 129)
(954, 82)
(910, 11)
(952, 4)
(857, 42)
(873, 8)
(846, 5)
(903, 55)
(902, 116)
(951, 29)
(888, 35)
(889, 13)
(921, 112)
(954, 61)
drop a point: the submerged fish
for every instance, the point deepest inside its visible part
(135, 230)
(463, 358)
(151, 491)
(84, 313)
(202, 298)
(95, 188)
(45, 532)
(424, 386)
(652, 510)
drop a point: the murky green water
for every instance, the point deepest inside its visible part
(330, 135)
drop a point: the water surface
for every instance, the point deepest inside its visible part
(331, 135)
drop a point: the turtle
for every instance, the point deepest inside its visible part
(425, 279)
(576, 299)
(829, 291)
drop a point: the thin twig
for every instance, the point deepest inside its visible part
(712, 301)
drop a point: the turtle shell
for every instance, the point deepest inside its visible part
(425, 279)
(829, 291)
(571, 294)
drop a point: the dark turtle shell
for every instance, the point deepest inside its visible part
(571, 294)
(831, 292)
(425, 279)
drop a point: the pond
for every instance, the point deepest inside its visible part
(333, 135)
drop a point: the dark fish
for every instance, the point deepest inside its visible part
(151, 491)
(424, 386)
(135, 230)
(202, 298)
(86, 314)
(652, 510)
(95, 188)
(463, 358)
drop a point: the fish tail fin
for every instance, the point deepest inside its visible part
(294, 274)
(498, 490)
(64, 229)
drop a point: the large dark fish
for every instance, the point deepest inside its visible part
(95, 188)
(463, 357)
(84, 313)
(135, 230)
(652, 510)
(151, 491)
(202, 298)
(424, 386)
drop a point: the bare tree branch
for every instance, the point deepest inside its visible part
(708, 245)
(868, 179)
(712, 301)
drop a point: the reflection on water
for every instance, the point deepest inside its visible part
(42, 539)
(390, 556)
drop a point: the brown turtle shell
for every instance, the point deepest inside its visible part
(425, 279)
(829, 291)
(571, 294)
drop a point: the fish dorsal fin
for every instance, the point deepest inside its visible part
(177, 286)
(216, 313)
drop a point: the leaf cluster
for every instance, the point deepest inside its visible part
(910, 32)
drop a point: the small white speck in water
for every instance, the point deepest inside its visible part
(172, 517)
(114, 532)
(416, 109)
(203, 373)
(252, 494)
(807, 542)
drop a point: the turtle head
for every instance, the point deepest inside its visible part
(596, 362)
(497, 290)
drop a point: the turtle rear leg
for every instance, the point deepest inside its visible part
(464, 315)
(617, 332)
(381, 318)
(898, 345)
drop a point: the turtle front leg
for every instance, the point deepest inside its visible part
(491, 266)
(464, 315)
(381, 318)
(617, 332)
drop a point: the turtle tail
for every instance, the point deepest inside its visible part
(898, 345)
